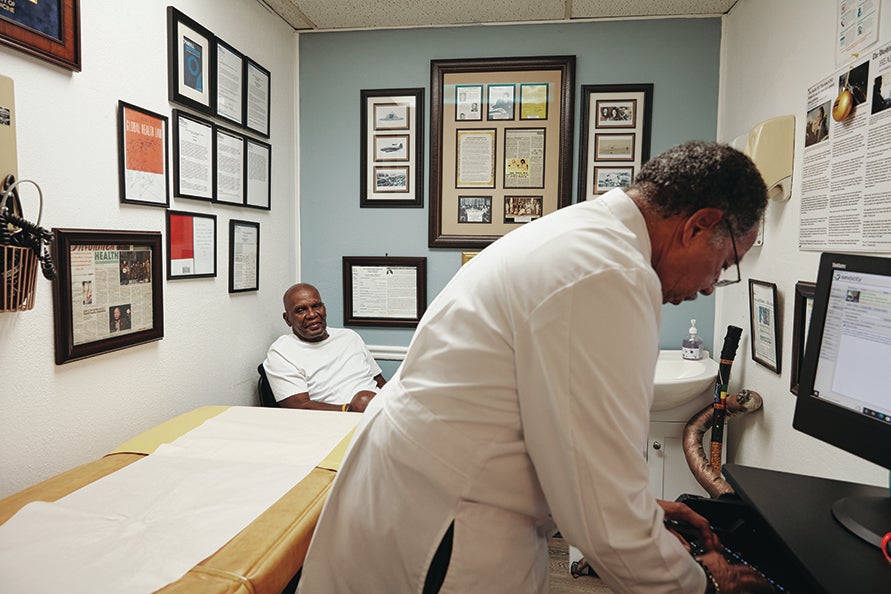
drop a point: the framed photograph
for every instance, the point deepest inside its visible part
(108, 291)
(804, 306)
(607, 178)
(258, 173)
(229, 82)
(191, 245)
(49, 30)
(765, 328)
(469, 100)
(614, 147)
(257, 98)
(522, 209)
(619, 113)
(475, 209)
(391, 129)
(615, 127)
(142, 156)
(505, 154)
(500, 100)
(384, 291)
(244, 256)
(192, 156)
(229, 159)
(189, 54)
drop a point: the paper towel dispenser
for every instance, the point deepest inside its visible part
(770, 145)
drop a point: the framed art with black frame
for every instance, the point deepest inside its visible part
(391, 150)
(256, 98)
(228, 82)
(142, 156)
(765, 327)
(49, 30)
(506, 153)
(384, 291)
(189, 57)
(108, 293)
(258, 174)
(804, 306)
(615, 136)
(244, 256)
(191, 245)
(193, 155)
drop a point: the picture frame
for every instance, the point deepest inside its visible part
(48, 30)
(257, 99)
(803, 308)
(524, 158)
(501, 102)
(229, 72)
(143, 171)
(108, 291)
(469, 156)
(391, 145)
(258, 174)
(190, 49)
(384, 291)
(633, 105)
(191, 245)
(475, 209)
(522, 209)
(764, 325)
(468, 103)
(193, 156)
(229, 164)
(244, 256)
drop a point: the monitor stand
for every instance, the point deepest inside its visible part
(866, 516)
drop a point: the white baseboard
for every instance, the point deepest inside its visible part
(387, 352)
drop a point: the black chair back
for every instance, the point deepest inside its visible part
(264, 389)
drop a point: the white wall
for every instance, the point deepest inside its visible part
(56, 417)
(772, 52)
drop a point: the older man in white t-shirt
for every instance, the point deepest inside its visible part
(318, 367)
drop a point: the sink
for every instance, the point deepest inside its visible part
(679, 380)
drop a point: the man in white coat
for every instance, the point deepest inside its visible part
(524, 400)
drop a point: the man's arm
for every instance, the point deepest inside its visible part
(302, 400)
(379, 380)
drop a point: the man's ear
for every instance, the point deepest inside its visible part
(702, 220)
(285, 318)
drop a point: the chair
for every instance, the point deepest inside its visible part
(264, 389)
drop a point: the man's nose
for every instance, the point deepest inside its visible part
(708, 291)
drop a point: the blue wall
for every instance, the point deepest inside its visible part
(679, 56)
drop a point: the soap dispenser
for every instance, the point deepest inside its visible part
(692, 345)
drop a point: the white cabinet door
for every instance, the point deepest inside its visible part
(669, 474)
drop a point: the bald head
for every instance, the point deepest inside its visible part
(295, 288)
(305, 313)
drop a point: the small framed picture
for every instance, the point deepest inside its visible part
(522, 209)
(192, 156)
(257, 99)
(191, 245)
(500, 101)
(384, 291)
(607, 178)
(142, 154)
(258, 174)
(616, 113)
(391, 147)
(229, 82)
(229, 165)
(765, 327)
(614, 147)
(534, 101)
(391, 116)
(804, 306)
(474, 209)
(475, 158)
(244, 256)
(468, 103)
(189, 51)
(390, 179)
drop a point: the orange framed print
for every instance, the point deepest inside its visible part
(142, 156)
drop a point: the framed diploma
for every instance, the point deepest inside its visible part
(191, 245)
(192, 156)
(384, 291)
(244, 256)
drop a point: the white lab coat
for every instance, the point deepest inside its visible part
(523, 401)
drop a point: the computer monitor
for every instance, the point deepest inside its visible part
(844, 395)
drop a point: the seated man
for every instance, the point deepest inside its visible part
(318, 367)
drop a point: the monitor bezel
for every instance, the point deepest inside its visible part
(852, 432)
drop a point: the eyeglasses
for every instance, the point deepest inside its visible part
(729, 281)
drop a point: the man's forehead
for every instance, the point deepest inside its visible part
(302, 295)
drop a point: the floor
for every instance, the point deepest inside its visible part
(562, 581)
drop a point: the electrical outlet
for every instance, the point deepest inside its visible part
(8, 154)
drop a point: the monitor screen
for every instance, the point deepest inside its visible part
(844, 393)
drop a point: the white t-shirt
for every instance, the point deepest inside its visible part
(332, 370)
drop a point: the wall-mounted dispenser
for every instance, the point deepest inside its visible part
(770, 145)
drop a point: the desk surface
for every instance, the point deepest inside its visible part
(798, 509)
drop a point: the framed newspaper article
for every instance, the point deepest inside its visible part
(384, 291)
(108, 291)
(503, 126)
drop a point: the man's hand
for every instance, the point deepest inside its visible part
(680, 518)
(734, 579)
(361, 400)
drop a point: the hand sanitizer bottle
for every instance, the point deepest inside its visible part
(692, 345)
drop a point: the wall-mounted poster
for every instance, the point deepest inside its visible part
(189, 53)
(142, 152)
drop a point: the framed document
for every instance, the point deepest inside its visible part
(189, 52)
(244, 256)
(192, 156)
(765, 327)
(524, 142)
(142, 156)
(615, 136)
(49, 30)
(258, 173)
(257, 99)
(229, 82)
(229, 163)
(804, 306)
(391, 159)
(108, 293)
(191, 245)
(384, 291)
